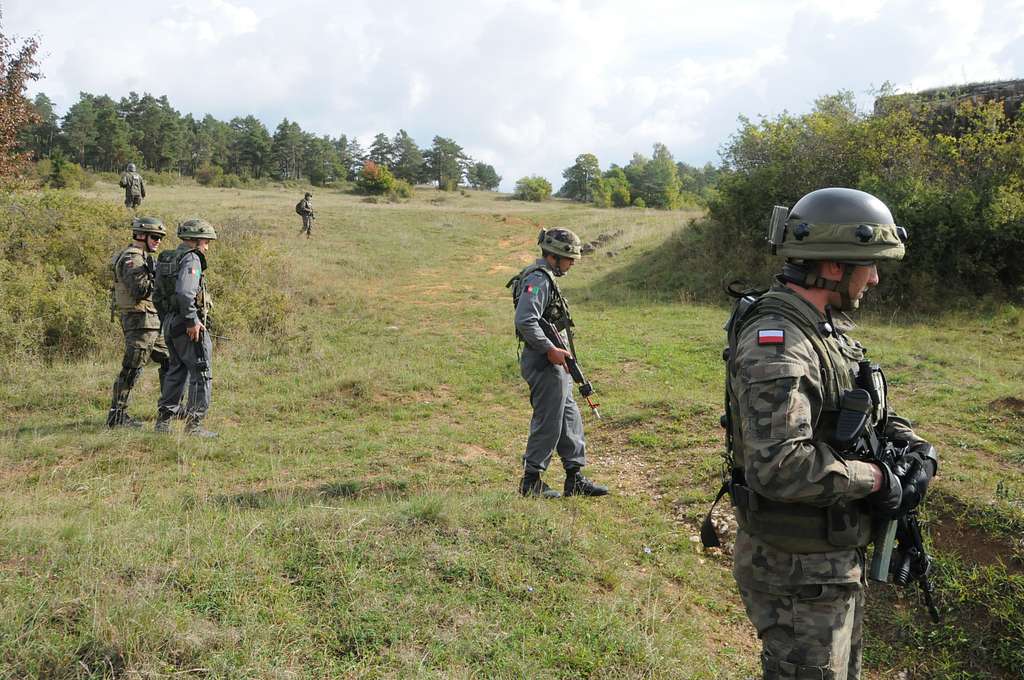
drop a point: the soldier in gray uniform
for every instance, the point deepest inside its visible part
(305, 209)
(181, 282)
(132, 298)
(556, 422)
(805, 510)
(134, 187)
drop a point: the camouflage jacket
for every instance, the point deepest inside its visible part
(784, 388)
(133, 285)
(305, 208)
(133, 184)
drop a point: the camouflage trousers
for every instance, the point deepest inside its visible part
(808, 632)
(132, 202)
(307, 225)
(140, 345)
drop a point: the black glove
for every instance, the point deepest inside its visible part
(886, 501)
(150, 267)
(915, 476)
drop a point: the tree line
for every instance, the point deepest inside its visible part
(655, 182)
(102, 134)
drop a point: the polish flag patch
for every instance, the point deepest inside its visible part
(771, 337)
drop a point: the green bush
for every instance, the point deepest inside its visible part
(400, 190)
(959, 197)
(639, 202)
(209, 175)
(532, 188)
(375, 179)
(55, 253)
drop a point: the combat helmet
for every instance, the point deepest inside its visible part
(838, 224)
(148, 225)
(308, 195)
(560, 243)
(196, 228)
(131, 167)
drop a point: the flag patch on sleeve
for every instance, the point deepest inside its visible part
(771, 337)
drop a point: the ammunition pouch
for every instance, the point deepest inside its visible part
(798, 527)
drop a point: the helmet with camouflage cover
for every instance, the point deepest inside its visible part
(308, 195)
(196, 228)
(148, 225)
(131, 167)
(560, 243)
(841, 225)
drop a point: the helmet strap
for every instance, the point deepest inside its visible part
(808, 277)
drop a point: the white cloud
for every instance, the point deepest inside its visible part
(525, 85)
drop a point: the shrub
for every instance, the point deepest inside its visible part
(639, 202)
(400, 190)
(375, 179)
(209, 175)
(55, 252)
(532, 188)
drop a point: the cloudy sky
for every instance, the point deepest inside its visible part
(524, 85)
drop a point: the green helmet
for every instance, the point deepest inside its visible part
(149, 225)
(560, 243)
(842, 225)
(308, 195)
(131, 167)
(196, 228)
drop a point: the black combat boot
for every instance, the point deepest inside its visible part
(163, 422)
(532, 486)
(117, 417)
(578, 485)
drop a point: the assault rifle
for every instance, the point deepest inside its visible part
(586, 389)
(902, 534)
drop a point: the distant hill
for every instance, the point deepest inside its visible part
(939, 105)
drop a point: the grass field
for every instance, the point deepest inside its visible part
(357, 516)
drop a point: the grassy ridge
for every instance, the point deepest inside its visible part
(357, 517)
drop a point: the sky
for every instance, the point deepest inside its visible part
(525, 86)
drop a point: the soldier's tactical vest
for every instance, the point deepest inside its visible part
(167, 266)
(557, 311)
(796, 527)
(123, 298)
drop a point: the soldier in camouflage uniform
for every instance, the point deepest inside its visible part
(134, 187)
(132, 298)
(305, 209)
(556, 422)
(181, 282)
(804, 511)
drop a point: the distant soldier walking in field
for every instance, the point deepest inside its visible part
(181, 290)
(134, 187)
(132, 297)
(305, 209)
(805, 417)
(556, 423)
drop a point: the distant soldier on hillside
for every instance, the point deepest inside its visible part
(305, 209)
(132, 297)
(556, 423)
(134, 187)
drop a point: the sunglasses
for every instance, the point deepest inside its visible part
(155, 237)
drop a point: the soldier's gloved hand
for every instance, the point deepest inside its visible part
(916, 477)
(887, 500)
